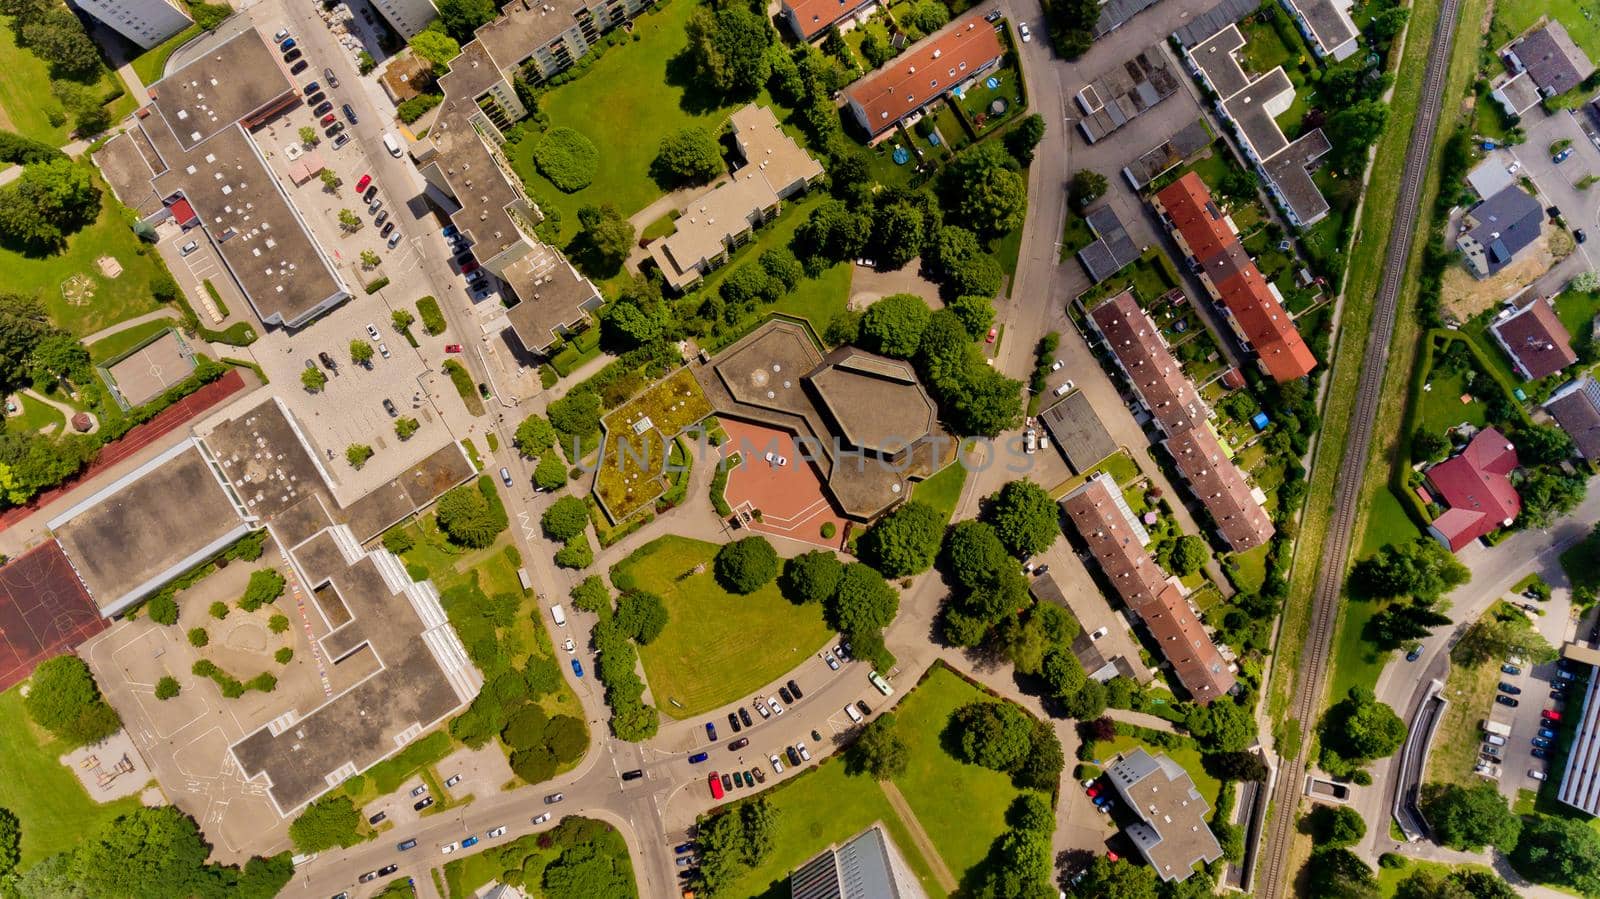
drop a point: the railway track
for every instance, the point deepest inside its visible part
(1336, 545)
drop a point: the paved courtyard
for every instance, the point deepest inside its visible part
(790, 496)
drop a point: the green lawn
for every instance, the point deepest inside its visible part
(1389, 878)
(976, 102)
(1387, 522)
(1356, 661)
(25, 96)
(823, 806)
(126, 339)
(150, 64)
(1577, 311)
(1187, 756)
(625, 103)
(943, 490)
(52, 805)
(1442, 407)
(36, 416)
(114, 299)
(1250, 569)
(961, 806)
(717, 647)
(1511, 19)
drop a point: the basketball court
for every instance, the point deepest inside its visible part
(44, 611)
(789, 496)
(147, 371)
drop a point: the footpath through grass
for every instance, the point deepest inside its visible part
(52, 805)
(716, 647)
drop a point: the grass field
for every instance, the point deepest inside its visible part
(1387, 522)
(36, 416)
(54, 809)
(1511, 19)
(1455, 747)
(1389, 878)
(961, 806)
(943, 490)
(625, 103)
(716, 647)
(25, 96)
(820, 807)
(126, 339)
(114, 299)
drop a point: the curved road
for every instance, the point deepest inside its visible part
(1358, 448)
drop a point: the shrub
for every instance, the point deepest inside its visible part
(416, 107)
(566, 518)
(198, 637)
(432, 316)
(278, 624)
(283, 656)
(167, 687)
(163, 609)
(746, 566)
(398, 541)
(265, 586)
(328, 822)
(219, 610)
(472, 515)
(567, 158)
(576, 554)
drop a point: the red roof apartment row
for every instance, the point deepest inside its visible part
(928, 70)
(1102, 521)
(1158, 379)
(1232, 277)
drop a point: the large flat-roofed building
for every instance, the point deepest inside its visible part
(150, 525)
(408, 17)
(197, 165)
(145, 22)
(808, 19)
(1233, 505)
(1327, 26)
(1252, 103)
(1118, 95)
(1580, 782)
(864, 421)
(867, 866)
(1117, 541)
(926, 71)
(1255, 311)
(1171, 832)
(711, 226)
(1141, 352)
(1576, 408)
(1497, 229)
(1535, 339)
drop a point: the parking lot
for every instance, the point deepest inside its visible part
(1558, 182)
(1527, 723)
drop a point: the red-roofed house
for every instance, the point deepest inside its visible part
(928, 70)
(1254, 311)
(808, 19)
(1535, 339)
(1476, 486)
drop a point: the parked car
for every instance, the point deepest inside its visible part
(833, 663)
(368, 877)
(388, 406)
(422, 803)
(350, 113)
(287, 44)
(1541, 742)
(333, 129)
(386, 870)
(1415, 653)
(340, 141)
(733, 722)
(713, 781)
(699, 757)
(1540, 753)
(744, 715)
(293, 55)
(554, 798)
(540, 819)
(188, 248)
(1027, 35)
(378, 818)
(281, 35)
(314, 100)
(777, 766)
(794, 757)
(1506, 701)
(452, 347)
(394, 239)
(298, 67)
(469, 842)
(787, 697)
(1511, 689)
(1579, 236)
(453, 780)
(794, 688)
(682, 848)
(420, 790)
(577, 668)
(762, 708)
(1551, 715)
(1509, 668)
(1536, 774)
(739, 744)
(1547, 733)
(805, 754)
(773, 704)
(862, 705)
(711, 732)
(497, 832)
(727, 782)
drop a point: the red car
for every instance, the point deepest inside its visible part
(716, 785)
(328, 119)
(1552, 715)
(469, 267)
(993, 333)
(365, 179)
(452, 347)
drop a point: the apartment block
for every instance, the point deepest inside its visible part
(145, 22)
(408, 17)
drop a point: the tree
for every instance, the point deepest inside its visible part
(1189, 555)
(437, 47)
(1236, 766)
(50, 200)
(833, 232)
(64, 700)
(976, 313)
(145, 854)
(1352, 130)
(864, 602)
(782, 266)
(1024, 137)
(1025, 518)
(1336, 825)
(462, 17)
(15, 148)
(471, 515)
(10, 842)
(728, 48)
(1024, 639)
(893, 325)
(1121, 879)
(84, 104)
(402, 320)
(1547, 494)
(905, 541)
(309, 136)
(357, 455)
(899, 231)
(1388, 23)
(1429, 446)
(637, 317)
(328, 822)
(58, 38)
(747, 285)
(1340, 874)
(996, 735)
(405, 427)
(360, 352)
(1470, 818)
(1587, 281)
(1360, 728)
(58, 357)
(566, 518)
(162, 609)
(604, 242)
(926, 17)
(331, 182)
(1501, 636)
(1085, 187)
(1543, 445)
(567, 158)
(313, 379)
(198, 637)
(688, 156)
(642, 615)
(534, 764)
(811, 576)
(265, 586)
(1563, 851)
(1423, 569)
(535, 436)
(550, 473)
(349, 221)
(1221, 726)
(734, 841)
(874, 50)
(745, 566)
(962, 265)
(879, 751)
(1458, 884)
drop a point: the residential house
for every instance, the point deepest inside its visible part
(1327, 26)
(1475, 485)
(1542, 64)
(1535, 339)
(1497, 229)
(1576, 408)
(1171, 832)
(926, 71)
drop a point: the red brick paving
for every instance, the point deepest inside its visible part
(141, 436)
(44, 611)
(790, 497)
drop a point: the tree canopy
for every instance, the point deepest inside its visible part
(745, 566)
(64, 700)
(1025, 518)
(1340, 874)
(1358, 729)
(989, 194)
(688, 156)
(811, 576)
(905, 541)
(1423, 569)
(462, 17)
(735, 840)
(604, 240)
(471, 514)
(328, 822)
(893, 325)
(864, 602)
(535, 436)
(1470, 818)
(879, 752)
(1338, 825)
(566, 518)
(50, 200)
(728, 48)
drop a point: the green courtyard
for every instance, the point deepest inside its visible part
(27, 105)
(716, 647)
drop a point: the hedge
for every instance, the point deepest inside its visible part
(222, 308)
(432, 317)
(376, 286)
(464, 386)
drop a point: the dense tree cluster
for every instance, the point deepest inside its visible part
(893, 325)
(905, 541)
(1461, 883)
(728, 46)
(1025, 518)
(1563, 851)
(64, 700)
(604, 239)
(1338, 873)
(1470, 818)
(1357, 730)
(631, 718)
(472, 514)
(733, 841)
(1422, 569)
(1019, 862)
(330, 821)
(463, 17)
(745, 566)
(989, 583)
(688, 156)
(879, 751)
(1002, 737)
(50, 200)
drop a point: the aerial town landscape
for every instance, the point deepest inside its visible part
(834, 449)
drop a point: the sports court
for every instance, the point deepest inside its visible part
(789, 496)
(148, 370)
(44, 611)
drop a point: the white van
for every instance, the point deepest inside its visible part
(880, 683)
(1495, 740)
(391, 143)
(851, 711)
(559, 616)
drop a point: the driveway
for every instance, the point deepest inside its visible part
(1559, 182)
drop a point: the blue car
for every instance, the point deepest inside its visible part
(711, 732)
(450, 231)
(1541, 753)
(1541, 743)
(683, 848)
(286, 46)
(1547, 733)
(469, 841)
(699, 757)
(577, 667)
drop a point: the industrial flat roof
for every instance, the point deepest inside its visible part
(148, 526)
(1078, 431)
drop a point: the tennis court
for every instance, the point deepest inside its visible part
(147, 371)
(44, 611)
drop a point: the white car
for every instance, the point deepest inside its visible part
(805, 755)
(762, 708)
(1064, 389)
(570, 646)
(1099, 632)
(497, 832)
(447, 848)
(776, 461)
(541, 819)
(1536, 774)
(1056, 366)
(1026, 34)
(188, 248)
(851, 711)
(454, 779)
(777, 766)
(372, 330)
(776, 708)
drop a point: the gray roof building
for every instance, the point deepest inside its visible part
(1168, 154)
(1116, 96)
(1113, 248)
(1171, 832)
(866, 867)
(1499, 228)
(1326, 24)
(1576, 408)
(1553, 62)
